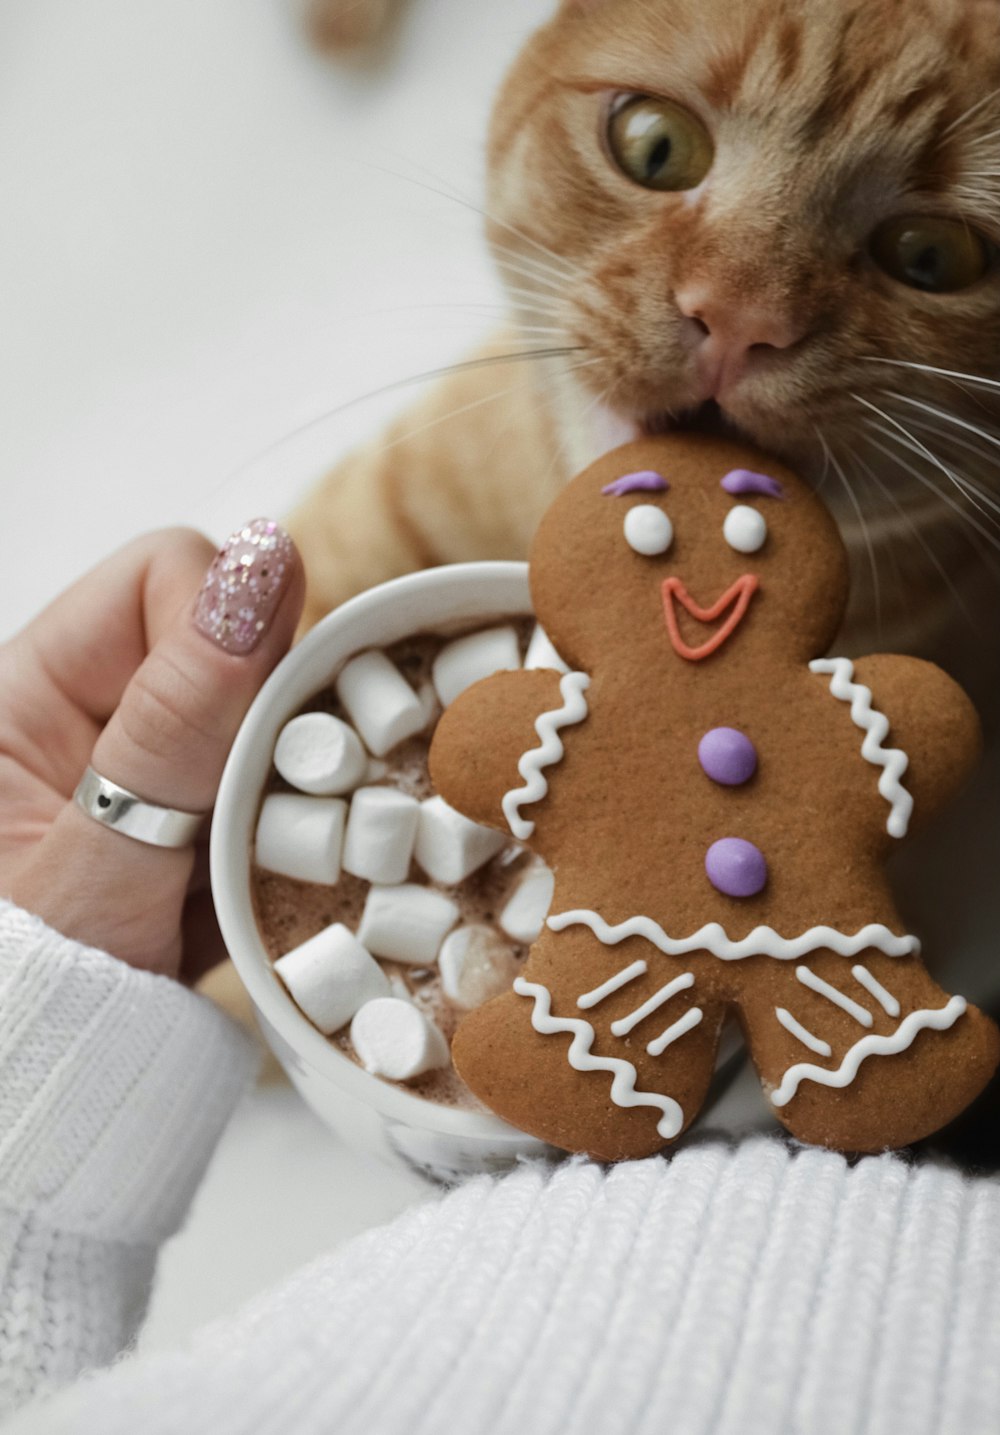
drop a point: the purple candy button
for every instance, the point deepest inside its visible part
(736, 868)
(727, 756)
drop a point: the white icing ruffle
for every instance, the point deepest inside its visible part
(550, 750)
(761, 942)
(875, 726)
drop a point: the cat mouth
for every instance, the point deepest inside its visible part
(608, 428)
(706, 418)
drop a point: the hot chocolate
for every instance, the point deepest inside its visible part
(385, 872)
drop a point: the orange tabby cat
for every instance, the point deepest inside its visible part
(777, 214)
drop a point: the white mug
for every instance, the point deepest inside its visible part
(385, 1119)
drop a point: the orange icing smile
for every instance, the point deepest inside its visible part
(736, 597)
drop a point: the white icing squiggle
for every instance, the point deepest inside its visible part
(623, 1092)
(761, 942)
(802, 1033)
(550, 750)
(875, 726)
(918, 1021)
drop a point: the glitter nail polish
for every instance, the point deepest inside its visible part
(244, 585)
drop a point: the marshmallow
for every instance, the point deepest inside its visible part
(406, 923)
(476, 964)
(394, 1039)
(528, 905)
(541, 653)
(318, 753)
(450, 847)
(475, 656)
(331, 976)
(380, 702)
(301, 836)
(381, 830)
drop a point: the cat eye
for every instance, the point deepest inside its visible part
(659, 145)
(648, 530)
(932, 253)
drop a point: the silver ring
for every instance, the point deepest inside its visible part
(123, 811)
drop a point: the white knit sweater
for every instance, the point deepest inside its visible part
(733, 1288)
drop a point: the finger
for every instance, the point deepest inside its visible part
(170, 735)
(168, 741)
(88, 642)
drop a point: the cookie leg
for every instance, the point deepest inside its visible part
(867, 1054)
(608, 1053)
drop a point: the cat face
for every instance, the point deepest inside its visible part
(744, 208)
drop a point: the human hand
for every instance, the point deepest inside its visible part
(128, 670)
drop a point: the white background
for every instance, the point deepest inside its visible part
(210, 236)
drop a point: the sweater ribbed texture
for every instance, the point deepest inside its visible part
(746, 1288)
(114, 1088)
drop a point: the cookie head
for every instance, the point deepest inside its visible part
(689, 550)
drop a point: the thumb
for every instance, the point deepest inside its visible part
(169, 738)
(167, 742)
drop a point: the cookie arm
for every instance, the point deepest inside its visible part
(931, 720)
(482, 737)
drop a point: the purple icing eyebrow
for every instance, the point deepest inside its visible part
(743, 480)
(645, 481)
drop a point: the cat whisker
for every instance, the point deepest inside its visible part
(931, 369)
(939, 495)
(478, 404)
(957, 441)
(542, 304)
(484, 361)
(905, 440)
(958, 423)
(970, 113)
(863, 525)
(888, 538)
(457, 198)
(550, 271)
(562, 435)
(498, 312)
(961, 481)
(891, 498)
(820, 482)
(550, 286)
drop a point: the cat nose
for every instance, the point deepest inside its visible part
(726, 333)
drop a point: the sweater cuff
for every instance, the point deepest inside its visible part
(115, 1086)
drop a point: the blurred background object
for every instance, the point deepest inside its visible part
(346, 25)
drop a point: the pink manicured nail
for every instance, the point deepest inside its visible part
(243, 587)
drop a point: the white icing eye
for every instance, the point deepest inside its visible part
(745, 529)
(648, 530)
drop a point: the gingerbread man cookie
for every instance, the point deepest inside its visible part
(716, 798)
